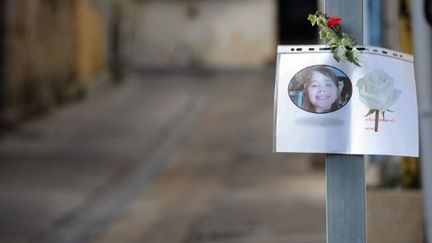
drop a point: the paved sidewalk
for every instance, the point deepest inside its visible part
(160, 158)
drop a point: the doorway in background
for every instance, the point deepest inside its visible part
(294, 28)
(2, 61)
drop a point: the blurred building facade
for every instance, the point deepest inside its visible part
(50, 52)
(210, 34)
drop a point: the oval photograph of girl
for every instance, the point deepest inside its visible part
(320, 89)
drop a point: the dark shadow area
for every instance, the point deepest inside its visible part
(428, 11)
(114, 43)
(293, 25)
(2, 61)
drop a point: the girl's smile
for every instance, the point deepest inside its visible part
(322, 92)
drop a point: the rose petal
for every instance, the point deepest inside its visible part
(393, 98)
(376, 90)
(371, 101)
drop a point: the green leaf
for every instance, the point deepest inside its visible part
(336, 57)
(346, 42)
(312, 18)
(324, 33)
(339, 53)
(321, 22)
(350, 41)
(370, 112)
(352, 56)
(334, 42)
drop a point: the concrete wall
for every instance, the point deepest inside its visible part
(209, 33)
(52, 49)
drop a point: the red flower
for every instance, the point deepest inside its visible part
(333, 21)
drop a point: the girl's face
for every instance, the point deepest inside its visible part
(322, 92)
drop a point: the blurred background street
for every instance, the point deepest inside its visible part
(152, 121)
(163, 158)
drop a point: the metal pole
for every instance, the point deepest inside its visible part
(345, 173)
(422, 36)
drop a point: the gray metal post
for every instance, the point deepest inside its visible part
(345, 173)
(422, 36)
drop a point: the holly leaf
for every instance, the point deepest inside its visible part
(325, 33)
(333, 42)
(339, 52)
(321, 22)
(352, 56)
(313, 19)
(346, 41)
(349, 41)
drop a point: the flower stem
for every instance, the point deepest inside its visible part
(336, 30)
(376, 120)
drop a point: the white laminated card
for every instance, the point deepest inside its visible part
(324, 106)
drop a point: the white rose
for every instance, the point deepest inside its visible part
(376, 90)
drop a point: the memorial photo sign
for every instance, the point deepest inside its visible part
(325, 106)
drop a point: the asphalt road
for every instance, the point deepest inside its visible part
(160, 158)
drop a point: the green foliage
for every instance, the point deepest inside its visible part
(342, 45)
(313, 19)
(325, 33)
(322, 23)
(352, 56)
(339, 52)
